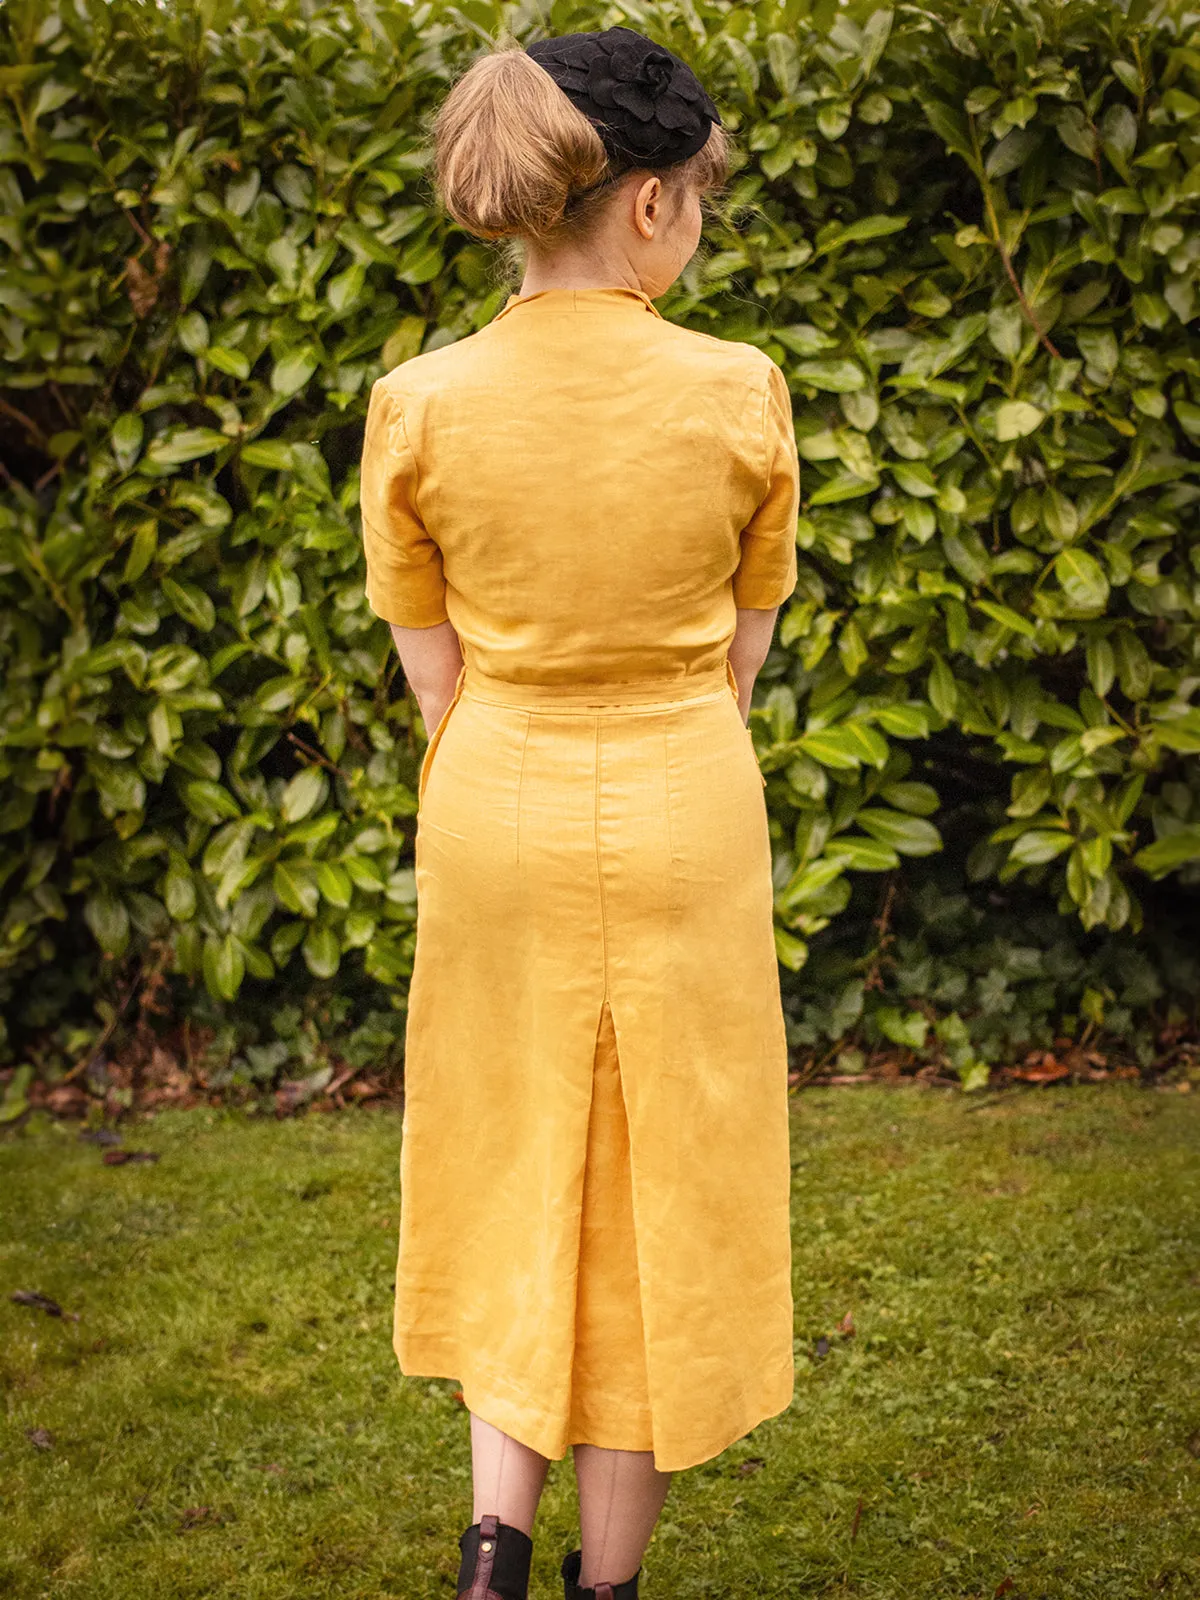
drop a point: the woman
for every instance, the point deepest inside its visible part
(580, 522)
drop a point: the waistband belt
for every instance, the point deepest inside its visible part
(709, 684)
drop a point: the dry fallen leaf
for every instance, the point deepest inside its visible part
(36, 1302)
(143, 285)
(846, 1326)
(359, 1090)
(858, 1511)
(118, 1158)
(1041, 1066)
(40, 1438)
(197, 1517)
(67, 1100)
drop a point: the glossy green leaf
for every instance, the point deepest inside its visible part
(839, 377)
(296, 887)
(907, 835)
(304, 793)
(1082, 579)
(292, 371)
(1039, 846)
(181, 445)
(784, 59)
(1017, 418)
(107, 917)
(224, 966)
(863, 855)
(921, 799)
(1168, 854)
(322, 951)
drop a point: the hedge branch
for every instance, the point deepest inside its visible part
(318, 758)
(998, 240)
(30, 426)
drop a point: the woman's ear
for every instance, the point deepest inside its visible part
(647, 212)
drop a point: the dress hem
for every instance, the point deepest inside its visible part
(546, 1437)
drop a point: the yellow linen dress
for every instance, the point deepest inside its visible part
(595, 1170)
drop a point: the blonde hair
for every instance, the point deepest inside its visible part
(514, 158)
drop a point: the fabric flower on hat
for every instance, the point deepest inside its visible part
(646, 104)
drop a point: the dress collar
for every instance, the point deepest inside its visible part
(582, 299)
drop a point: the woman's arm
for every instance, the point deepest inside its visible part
(431, 659)
(748, 650)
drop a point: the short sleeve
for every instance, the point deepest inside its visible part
(405, 582)
(766, 572)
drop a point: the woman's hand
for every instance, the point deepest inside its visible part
(748, 650)
(431, 659)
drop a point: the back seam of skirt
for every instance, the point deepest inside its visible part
(520, 781)
(600, 874)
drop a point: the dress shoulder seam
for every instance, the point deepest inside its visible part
(396, 408)
(766, 449)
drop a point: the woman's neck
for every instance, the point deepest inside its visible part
(579, 274)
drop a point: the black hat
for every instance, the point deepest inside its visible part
(646, 104)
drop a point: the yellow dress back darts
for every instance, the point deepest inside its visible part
(594, 1171)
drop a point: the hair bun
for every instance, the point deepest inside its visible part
(517, 156)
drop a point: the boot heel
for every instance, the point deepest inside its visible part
(496, 1559)
(603, 1591)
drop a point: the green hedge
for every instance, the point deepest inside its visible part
(968, 234)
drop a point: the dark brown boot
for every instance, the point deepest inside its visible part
(495, 1561)
(603, 1591)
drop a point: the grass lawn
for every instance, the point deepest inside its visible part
(1016, 1413)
